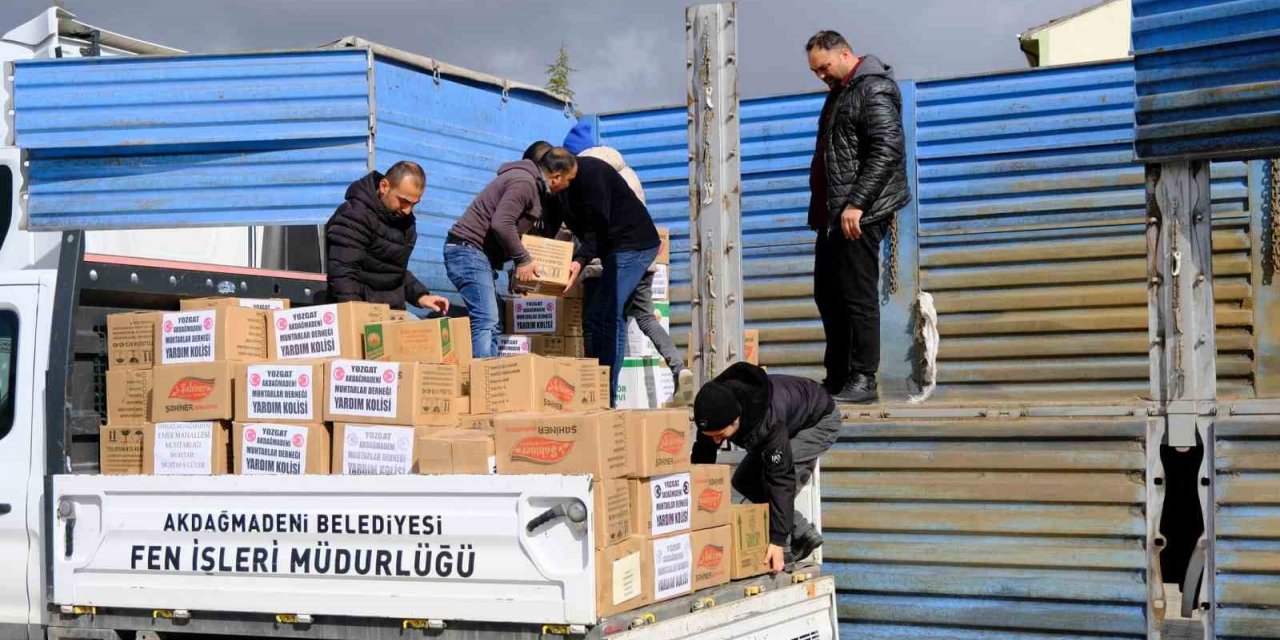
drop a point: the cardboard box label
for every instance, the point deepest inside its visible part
(377, 451)
(274, 449)
(661, 288)
(187, 337)
(281, 392)
(514, 345)
(535, 315)
(672, 567)
(626, 578)
(308, 332)
(364, 388)
(670, 504)
(265, 304)
(184, 448)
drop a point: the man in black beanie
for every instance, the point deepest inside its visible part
(785, 423)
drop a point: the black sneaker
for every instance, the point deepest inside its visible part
(861, 389)
(804, 546)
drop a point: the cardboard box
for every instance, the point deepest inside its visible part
(613, 511)
(711, 557)
(291, 391)
(460, 334)
(120, 450)
(664, 249)
(281, 449)
(526, 383)
(263, 304)
(553, 258)
(661, 441)
(128, 397)
(749, 528)
(661, 288)
(373, 450)
(668, 567)
(549, 346)
(482, 422)
(429, 340)
(661, 505)
(325, 331)
(224, 333)
(186, 448)
(392, 393)
(194, 392)
(712, 495)
(751, 346)
(456, 451)
(644, 383)
(581, 442)
(131, 339)
(543, 315)
(620, 577)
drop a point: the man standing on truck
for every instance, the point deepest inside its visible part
(370, 237)
(785, 423)
(488, 235)
(858, 182)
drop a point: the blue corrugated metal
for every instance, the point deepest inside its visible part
(777, 136)
(1208, 78)
(973, 528)
(1247, 522)
(270, 138)
(1032, 237)
(460, 132)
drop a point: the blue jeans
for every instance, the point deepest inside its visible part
(469, 270)
(623, 271)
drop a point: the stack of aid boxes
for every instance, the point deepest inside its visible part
(680, 510)
(546, 320)
(645, 382)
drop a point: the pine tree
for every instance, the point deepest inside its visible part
(558, 75)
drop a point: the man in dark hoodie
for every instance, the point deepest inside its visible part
(370, 237)
(488, 235)
(858, 182)
(785, 423)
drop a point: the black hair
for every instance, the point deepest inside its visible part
(827, 41)
(405, 169)
(557, 160)
(537, 150)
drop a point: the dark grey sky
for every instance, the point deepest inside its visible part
(627, 54)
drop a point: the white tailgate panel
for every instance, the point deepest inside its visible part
(143, 542)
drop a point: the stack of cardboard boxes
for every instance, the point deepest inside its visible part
(545, 319)
(645, 381)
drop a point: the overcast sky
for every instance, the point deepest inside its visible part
(627, 54)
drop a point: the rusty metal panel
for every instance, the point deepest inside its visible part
(1247, 545)
(984, 526)
(1032, 238)
(1208, 78)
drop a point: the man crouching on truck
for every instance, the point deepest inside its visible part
(785, 423)
(370, 237)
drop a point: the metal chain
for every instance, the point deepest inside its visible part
(1275, 215)
(892, 267)
(1176, 303)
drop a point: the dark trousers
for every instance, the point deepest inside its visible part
(806, 447)
(846, 286)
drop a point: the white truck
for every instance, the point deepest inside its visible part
(92, 556)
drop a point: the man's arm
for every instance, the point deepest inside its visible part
(518, 198)
(704, 450)
(413, 288)
(347, 239)
(593, 207)
(780, 485)
(882, 127)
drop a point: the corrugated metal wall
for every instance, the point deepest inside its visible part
(1024, 527)
(777, 145)
(191, 140)
(1031, 221)
(1208, 78)
(460, 132)
(1247, 496)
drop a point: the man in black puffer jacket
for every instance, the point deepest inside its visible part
(858, 182)
(785, 423)
(370, 237)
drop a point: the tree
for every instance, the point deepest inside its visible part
(558, 75)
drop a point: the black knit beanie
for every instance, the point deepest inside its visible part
(716, 407)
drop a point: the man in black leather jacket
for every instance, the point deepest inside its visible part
(858, 182)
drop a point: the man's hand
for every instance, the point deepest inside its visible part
(575, 269)
(773, 558)
(851, 223)
(439, 304)
(528, 273)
